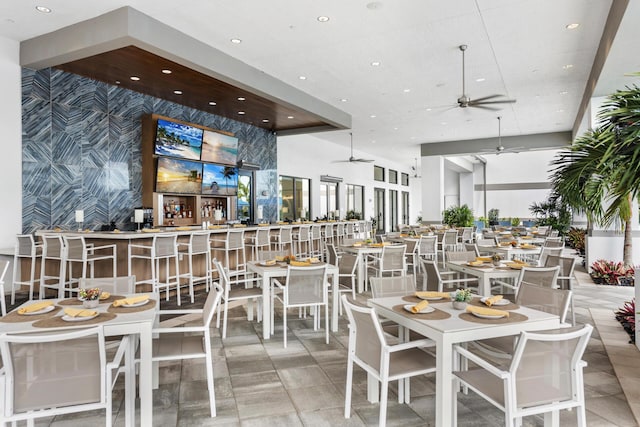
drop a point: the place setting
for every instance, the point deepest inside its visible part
(132, 304)
(85, 316)
(32, 312)
(422, 309)
(491, 310)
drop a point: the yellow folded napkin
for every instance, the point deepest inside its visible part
(79, 312)
(375, 245)
(475, 262)
(183, 228)
(36, 306)
(57, 229)
(150, 230)
(526, 237)
(130, 300)
(432, 294)
(239, 225)
(115, 230)
(483, 259)
(357, 245)
(214, 227)
(492, 300)
(486, 311)
(299, 263)
(105, 295)
(527, 246)
(313, 260)
(420, 306)
(263, 225)
(282, 223)
(270, 262)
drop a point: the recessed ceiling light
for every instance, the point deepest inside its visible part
(290, 117)
(236, 41)
(166, 71)
(43, 9)
(117, 82)
(375, 64)
(428, 109)
(265, 120)
(302, 77)
(413, 137)
(212, 103)
(241, 112)
(134, 78)
(443, 123)
(323, 18)
(177, 92)
(241, 98)
(395, 128)
(480, 79)
(564, 92)
(373, 116)
(407, 90)
(572, 26)
(373, 141)
(344, 100)
(560, 110)
(566, 67)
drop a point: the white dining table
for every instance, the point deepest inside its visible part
(279, 271)
(448, 332)
(509, 252)
(137, 323)
(484, 273)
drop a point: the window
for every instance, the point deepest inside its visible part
(328, 199)
(295, 198)
(404, 179)
(393, 177)
(393, 209)
(355, 199)
(245, 196)
(378, 173)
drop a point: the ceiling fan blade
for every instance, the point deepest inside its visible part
(362, 160)
(341, 161)
(504, 101)
(484, 98)
(483, 107)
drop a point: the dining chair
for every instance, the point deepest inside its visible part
(428, 247)
(432, 278)
(303, 287)
(553, 242)
(466, 256)
(565, 276)
(449, 241)
(547, 251)
(26, 248)
(4, 266)
(189, 342)
(466, 235)
(391, 260)
(260, 241)
(268, 255)
(369, 348)
(347, 270)
(233, 248)
(53, 266)
(115, 285)
(392, 286)
(411, 255)
(545, 375)
(163, 248)
(197, 247)
(302, 240)
(283, 240)
(238, 291)
(57, 373)
(316, 245)
(78, 251)
(541, 276)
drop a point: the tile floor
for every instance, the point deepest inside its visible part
(259, 383)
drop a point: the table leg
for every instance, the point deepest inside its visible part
(335, 290)
(360, 261)
(266, 308)
(444, 386)
(130, 382)
(485, 285)
(146, 375)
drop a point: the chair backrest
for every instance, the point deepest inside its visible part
(567, 265)
(122, 285)
(263, 236)
(541, 276)
(284, 236)
(366, 339)
(340, 229)
(472, 247)
(25, 245)
(165, 245)
(543, 230)
(432, 278)
(53, 369)
(199, 242)
(53, 246)
(235, 238)
(316, 231)
(4, 266)
(392, 286)
(306, 285)
(554, 233)
(392, 258)
(450, 237)
(76, 247)
(553, 242)
(211, 303)
(427, 245)
(546, 252)
(347, 264)
(467, 234)
(460, 256)
(267, 255)
(332, 254)
(412, 246)
(546, 365)
(348, 242)
(554, 301)
(485, 242)
(504, 238)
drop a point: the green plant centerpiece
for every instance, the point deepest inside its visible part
(460, 298)
(493, 215)
(496, 258)
(458, 216)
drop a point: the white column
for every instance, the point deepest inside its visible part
(432, 188)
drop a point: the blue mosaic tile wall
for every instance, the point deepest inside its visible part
(81, 144)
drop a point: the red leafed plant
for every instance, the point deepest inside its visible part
(610, 272)
(626, 315)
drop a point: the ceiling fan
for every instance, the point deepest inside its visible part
(485, 102)
(351, 158)
(501, 148)
(415, 169)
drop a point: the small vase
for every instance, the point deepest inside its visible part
(496, 263)
(459, 305)
(90, 303)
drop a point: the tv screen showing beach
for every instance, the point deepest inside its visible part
(219, 148)
(219, 180)
(178, 176)
(178, 140)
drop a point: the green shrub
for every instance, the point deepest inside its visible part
(458, 216)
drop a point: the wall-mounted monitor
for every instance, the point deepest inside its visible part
(178, 140)
(178, 176)
(219, 148)
(219, 180)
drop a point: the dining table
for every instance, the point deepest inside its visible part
(447, 327)
(484, 272)
(528, 252)
(279, 270)
(136, 321)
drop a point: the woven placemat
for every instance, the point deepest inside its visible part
(14, 317)
(76, 301)
(507, 307)
(57, 322)
(513, 318)
(414, 300)
(434, 315)
(148, 306)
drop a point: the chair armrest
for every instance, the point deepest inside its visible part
(410, 344)
(277, 283)
(178, 329)
(481, 362)
(96, 248)
(442, 273)
(131, 245)
(117, 359)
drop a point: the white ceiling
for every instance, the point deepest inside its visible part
(518, 46)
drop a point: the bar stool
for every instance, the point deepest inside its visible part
(339, 233)
(26, 248)
(317, 247)
(327, 235)
(233, 244)
(163, 247)
(4, 266)
(261, 241)
(350, 230)
(53, 252)
(198, 245)
(283, 239)
(78, 251)
(303, 240)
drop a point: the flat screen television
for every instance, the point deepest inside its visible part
(178, 140)
(219, 180)
(219, 148)
(178, 176)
